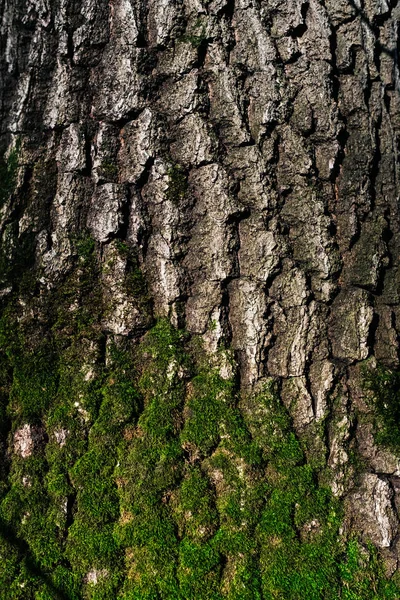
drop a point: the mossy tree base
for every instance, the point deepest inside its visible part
(150, 478)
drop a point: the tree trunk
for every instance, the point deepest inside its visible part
(200, 269)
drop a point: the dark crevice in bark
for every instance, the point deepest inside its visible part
(145, 233)
(372, 332)
(335, 72)
(130, 116)
(387, 100)
(70, 508)
(87, 172)
(273, 338)
(387, 235)
(396, 57)
(225, 306)
(228, 10)
(308, 385)
(375, 163)
(70, 46)
(125, 217)
(9, 535)
(18, 203)
(301, 28)
(294, 58)
(202, 53)
(374, 27)
(381, 19)
(141, 41)
(342, 139)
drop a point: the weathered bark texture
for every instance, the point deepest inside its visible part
(236, 164)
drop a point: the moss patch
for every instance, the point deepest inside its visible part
(153, 478)
(8, 172)
(177, 183)
(383, 386)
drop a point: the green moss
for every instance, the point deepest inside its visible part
(109, 171)
(91, 542)
(292, 567)
(76, 306)
(199, 571)
(211, 408)
(135, 285)
(195, 40)
(363, 576)
(195, 506)
(85, 246)
(34, 382)
(196, 37)
(177, 183)
(9, 563)
(165, 481)
(8, 172)
(151, 468)
(245, 583)
(17, 256)
(25, 512)
(73, 481)
(383, 386)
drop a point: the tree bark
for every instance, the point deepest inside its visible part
(231, 166)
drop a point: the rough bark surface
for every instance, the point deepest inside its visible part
(236, 166)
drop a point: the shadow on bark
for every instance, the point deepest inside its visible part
(9, 535)
(392, 53)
